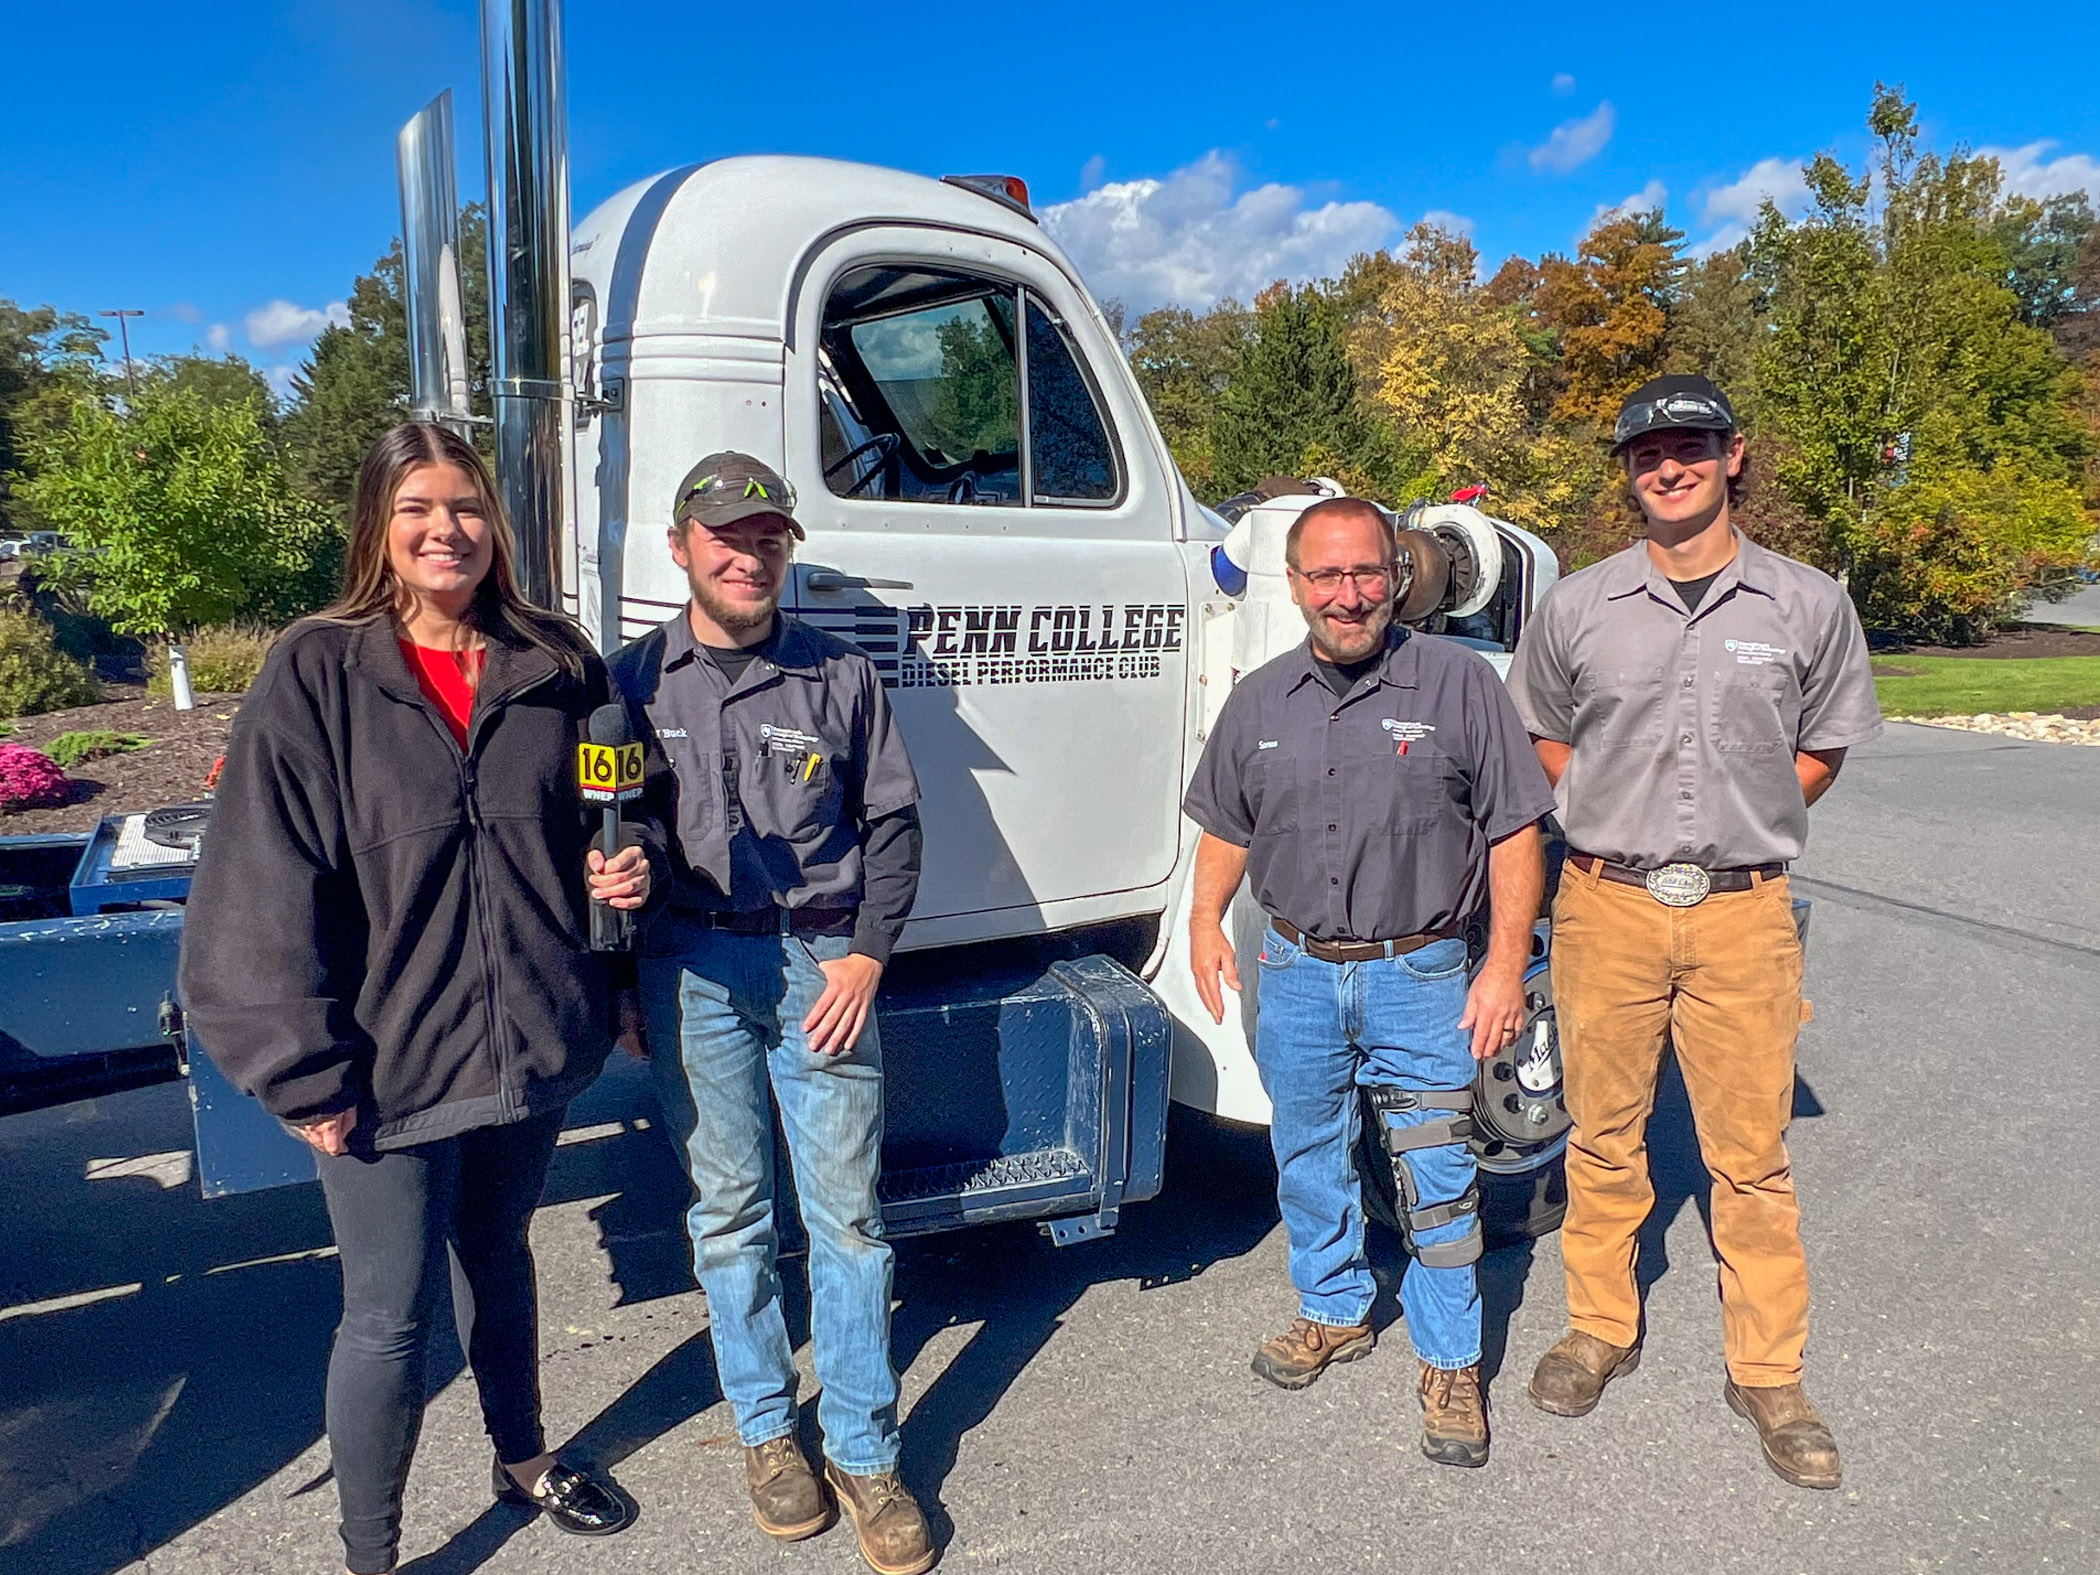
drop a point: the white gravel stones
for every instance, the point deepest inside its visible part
(2042, 727)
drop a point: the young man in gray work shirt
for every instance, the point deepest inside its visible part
(796, 861)
(1691, 697)
(1375, 787)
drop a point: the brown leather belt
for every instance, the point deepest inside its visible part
(1356, 951)
(1741, 878)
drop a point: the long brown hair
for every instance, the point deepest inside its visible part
(369, 588)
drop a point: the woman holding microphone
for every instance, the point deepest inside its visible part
(387, 944)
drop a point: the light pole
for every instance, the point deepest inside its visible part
(122, 314)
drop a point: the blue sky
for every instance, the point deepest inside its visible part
(229, 167)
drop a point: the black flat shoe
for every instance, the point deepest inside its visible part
(572, 1498)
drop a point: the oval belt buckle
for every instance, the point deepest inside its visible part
(1679, 885)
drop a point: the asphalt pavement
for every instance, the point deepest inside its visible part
(1090, 1409)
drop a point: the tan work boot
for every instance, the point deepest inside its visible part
(894, 1536)
(1294, 1358)
(1570, 1377)
(1796, 1440)
(786, 1499)
(1454, 1416)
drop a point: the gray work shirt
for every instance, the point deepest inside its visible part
(1369, 817)
(779, 772)
(1685, 726)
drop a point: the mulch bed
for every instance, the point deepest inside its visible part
(170, 770)
(2019, 640)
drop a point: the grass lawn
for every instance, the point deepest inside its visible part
(1963, 686)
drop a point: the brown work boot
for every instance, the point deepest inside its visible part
(1294, 1358)
(786, 1499)
(1454, 1416)
(894, 1536)
(1571, 1376)
(1796, 1439)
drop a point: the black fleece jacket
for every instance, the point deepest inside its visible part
(379, 920)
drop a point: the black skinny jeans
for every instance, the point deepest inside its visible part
(400, 1217)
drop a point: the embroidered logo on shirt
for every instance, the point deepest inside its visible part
(1405, 733)
(787, 740)
(1753, 653)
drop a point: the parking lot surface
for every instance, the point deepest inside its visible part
(1090, 1408)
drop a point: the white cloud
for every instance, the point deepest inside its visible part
(2029, 173)
(1779, 179)
(282, 323)
(1575, 142)
(1091, 171)
(1563, 84)
(280, 380)
(1188, 239)
(1445, 219)
(1646, 200)
(220, 338)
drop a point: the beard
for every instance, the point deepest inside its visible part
(736, 617)
(1343, 643)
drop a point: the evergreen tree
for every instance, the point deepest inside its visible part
(1291, 396)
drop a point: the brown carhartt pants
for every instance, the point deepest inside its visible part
(1721, 980)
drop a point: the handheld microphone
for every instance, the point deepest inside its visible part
(609, 772)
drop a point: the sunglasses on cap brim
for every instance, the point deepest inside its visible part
(1685, 411)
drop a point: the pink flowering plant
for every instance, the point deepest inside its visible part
(30, 779)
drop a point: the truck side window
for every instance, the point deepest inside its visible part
(1073, 461)
(920, 388)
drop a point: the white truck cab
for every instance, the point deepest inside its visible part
(992, 515)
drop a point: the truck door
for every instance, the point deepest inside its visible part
(988, 520)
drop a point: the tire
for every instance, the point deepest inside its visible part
(1514, 1208)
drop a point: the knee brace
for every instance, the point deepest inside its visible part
(1401, 1145)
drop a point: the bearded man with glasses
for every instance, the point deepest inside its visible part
(1379, 791)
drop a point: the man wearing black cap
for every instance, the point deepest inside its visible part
(1690, 698)
(796, 862)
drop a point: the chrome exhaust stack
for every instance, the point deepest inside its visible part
(437, 313)
(527, 136)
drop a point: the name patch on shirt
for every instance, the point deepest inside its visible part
(1753, 653)
(670, 732)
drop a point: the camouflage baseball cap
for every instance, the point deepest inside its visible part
(731, 486)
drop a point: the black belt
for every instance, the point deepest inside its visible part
(1673, 883)
(1357, 951)
(773, 921)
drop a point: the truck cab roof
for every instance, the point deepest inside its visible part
(719, 247)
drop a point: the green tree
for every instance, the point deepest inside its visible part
(217, 380)
(1183, 362)
(1910, 383)
(180, 514)
(1291, 402)
(47, 357)
(1715, 328)
(355, 383)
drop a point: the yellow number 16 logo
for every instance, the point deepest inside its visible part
(608, 773)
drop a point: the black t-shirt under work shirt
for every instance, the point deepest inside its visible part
(1693, 592)
(1341, 677)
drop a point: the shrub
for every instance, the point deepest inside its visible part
(1948, 559)
(34, 674)
(69, 749)
(30, 780)
(223, 660)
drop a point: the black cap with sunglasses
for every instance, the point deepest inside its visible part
(730, 486)
(1667, 403)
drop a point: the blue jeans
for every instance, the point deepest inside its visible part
(1326, 1030)
(725, 1022)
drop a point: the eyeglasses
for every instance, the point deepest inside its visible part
(713, 487)
(1328, 581)
(1673, 410)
